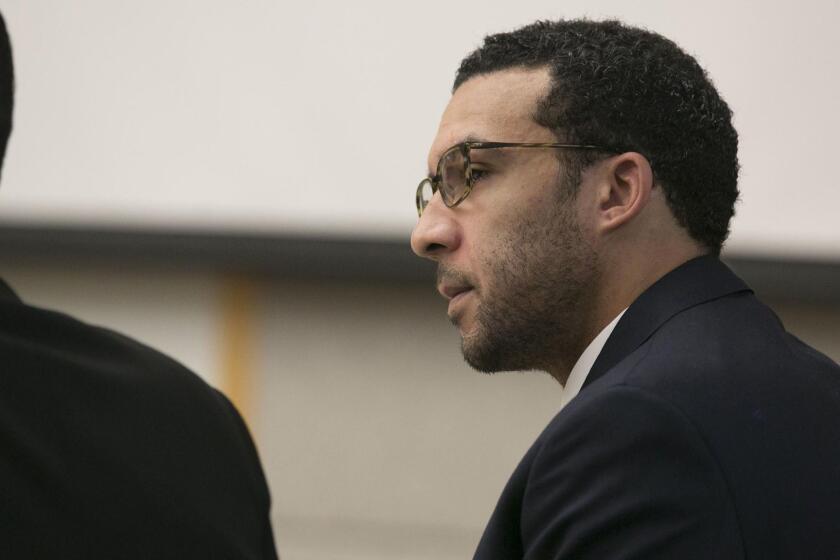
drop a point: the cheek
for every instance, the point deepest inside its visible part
(498, 255)
(481, 258)
(512, 215)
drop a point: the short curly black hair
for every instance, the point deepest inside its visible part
(628, 88)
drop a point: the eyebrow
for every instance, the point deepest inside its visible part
(473, 138)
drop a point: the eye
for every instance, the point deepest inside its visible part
(478, 174)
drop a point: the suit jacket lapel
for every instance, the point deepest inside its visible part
(697, 281)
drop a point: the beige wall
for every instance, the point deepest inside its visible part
(380, 441)
(377, 440)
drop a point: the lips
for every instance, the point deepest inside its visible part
(451, 292)
(453, 285)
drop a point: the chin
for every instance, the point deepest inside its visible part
(490, 349)
(484, 356)
(464, 322)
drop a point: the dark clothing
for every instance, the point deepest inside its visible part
(704, 430)
(109, 449)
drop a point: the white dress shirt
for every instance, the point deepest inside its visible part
(578, 375)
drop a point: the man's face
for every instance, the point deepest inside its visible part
(513, 258)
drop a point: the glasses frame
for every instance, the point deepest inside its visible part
(465, 147)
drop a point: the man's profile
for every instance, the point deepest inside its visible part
(581, 185)
(109, 449)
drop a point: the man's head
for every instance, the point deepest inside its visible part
(7, 89)
(534, 251)
(624, 87)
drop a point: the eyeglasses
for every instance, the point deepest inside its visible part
(455, 179)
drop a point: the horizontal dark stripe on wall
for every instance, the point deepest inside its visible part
(333, 258)
(296, 256)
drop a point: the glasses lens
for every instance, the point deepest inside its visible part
(453, 173)
(424, 195)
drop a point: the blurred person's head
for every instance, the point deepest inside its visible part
(7, 89)
(551, 243)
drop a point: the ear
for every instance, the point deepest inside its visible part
(625, 190)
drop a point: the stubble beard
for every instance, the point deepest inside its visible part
(533, 313)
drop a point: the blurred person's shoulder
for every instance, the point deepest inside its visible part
(50, 342)
(79, 372)
(53, 358)
(100, 430)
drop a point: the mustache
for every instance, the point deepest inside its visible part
(449, 275)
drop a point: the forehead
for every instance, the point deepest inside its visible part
(498, 106)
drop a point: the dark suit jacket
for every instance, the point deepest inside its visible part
(111, 450)
(704, 430)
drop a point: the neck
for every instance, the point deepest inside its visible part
(619, 284)
(626, 279)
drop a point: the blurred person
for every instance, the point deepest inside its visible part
(581, 185)
(109, 449)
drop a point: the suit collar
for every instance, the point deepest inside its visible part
(697, 281)
(7, 295)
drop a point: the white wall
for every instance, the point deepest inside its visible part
(316, 116)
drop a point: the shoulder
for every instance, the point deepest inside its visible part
(130, 436)
(67, 366)
(730, 369)
(66, 378)
(730, 346)
(622, 420)
(622, 468)
(725, 357)
(44, 340)
(701, 413)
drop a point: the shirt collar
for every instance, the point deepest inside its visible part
(584, 364)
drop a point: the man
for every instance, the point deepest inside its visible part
(111, 450)
(585, 243)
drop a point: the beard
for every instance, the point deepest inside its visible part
(532, 312)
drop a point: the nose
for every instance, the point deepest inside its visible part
(436, 233)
